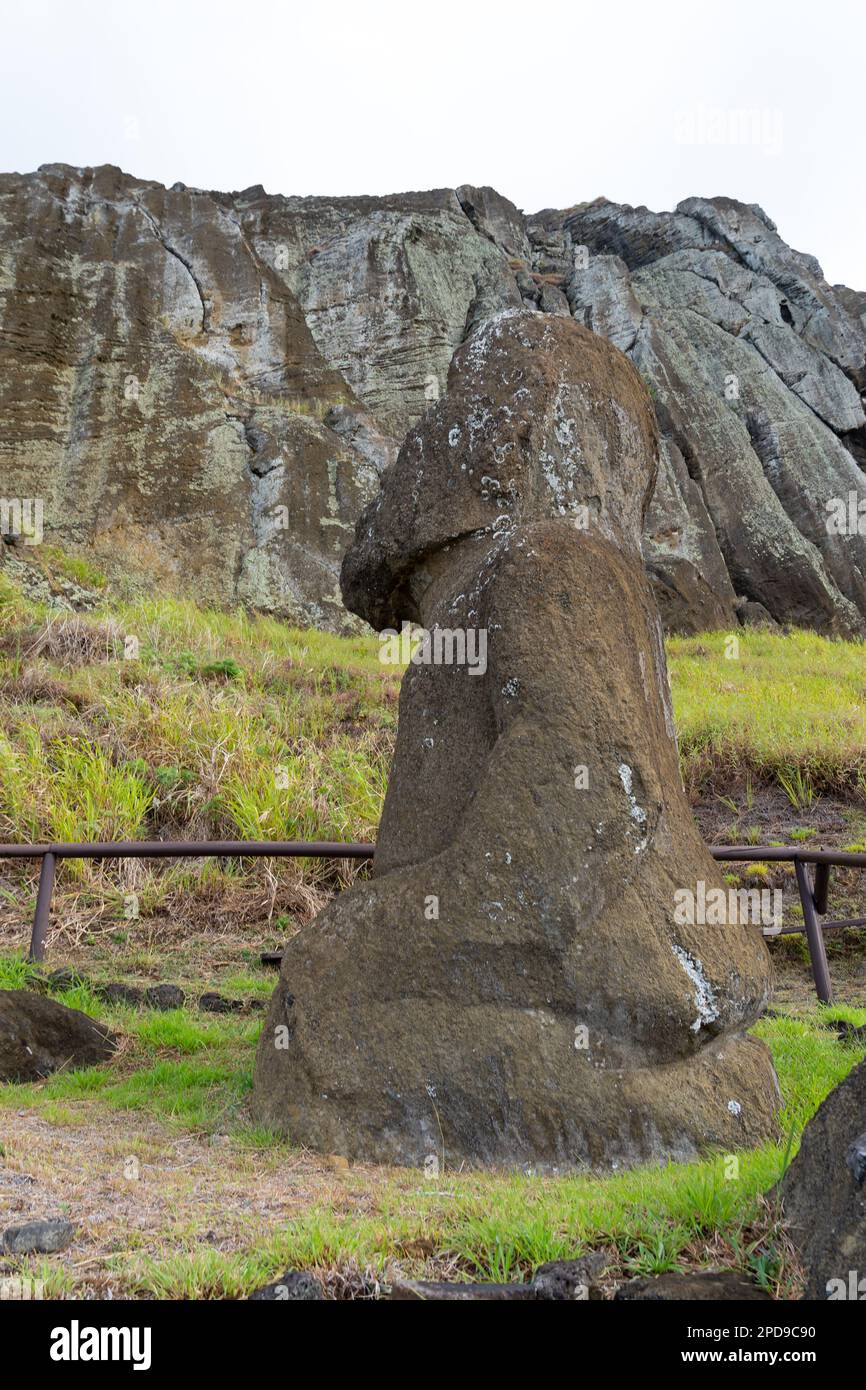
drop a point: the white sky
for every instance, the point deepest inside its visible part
(551, 103)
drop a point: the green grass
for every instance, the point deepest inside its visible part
(58, 564)
(15, 973)
(791, 710)
(232, 725)
(225, 726)
(200, 1095)
(503, 1227)
(195, 1074)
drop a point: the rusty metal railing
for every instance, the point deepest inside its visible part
(163, 849)
(813, 891)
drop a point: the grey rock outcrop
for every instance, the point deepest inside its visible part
(512, 987)
(204, 388)
(757, 367)
(823, 1194)
(43, 1237)
(704, 1286)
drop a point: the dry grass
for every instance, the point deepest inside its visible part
(70, 639)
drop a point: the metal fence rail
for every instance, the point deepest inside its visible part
(813, 889)
(814, 892)
(163, 849)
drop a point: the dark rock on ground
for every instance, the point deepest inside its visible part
(164, 997)
(38, 1237)
(119, 993)
(570, 1279)
(421, 1290)
(39, 1035)
(218, 1004)
(849, 1032)
(512, 985)
(755, 615)
(705, 1287)
(294, 1286)
(823, 1193)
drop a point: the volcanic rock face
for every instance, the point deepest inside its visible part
(511, 987)
(203, 388)
(182, 374)
(757, 367)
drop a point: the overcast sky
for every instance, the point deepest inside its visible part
(551, 103)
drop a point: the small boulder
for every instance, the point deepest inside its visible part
(294, 1286)
(218, 1004)
(708, 1286)
(164, 997)
(566, 1280)
(38, 1237)
(39, 1035)
(119, 993)
(755, 615)
(823, 1194)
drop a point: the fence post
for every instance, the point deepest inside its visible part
(822, 888)
(814, 935)
(43, 908)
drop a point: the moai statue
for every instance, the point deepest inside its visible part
(517, 984)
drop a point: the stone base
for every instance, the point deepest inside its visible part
(518, 1093)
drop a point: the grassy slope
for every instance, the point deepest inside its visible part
(789, 709)
(197, 737)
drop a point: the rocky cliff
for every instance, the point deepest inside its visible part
(203, 388)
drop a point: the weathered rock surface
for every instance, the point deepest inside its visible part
(213, 1003)
(705, 1286)
(757, 368)
(204, 387)
(45, 1237)
(182, 374)
(510, 988)
(823, 1193)
(293, 1287)
(164, 997)
(38, 1035)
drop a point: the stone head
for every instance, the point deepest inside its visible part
(542, 420)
